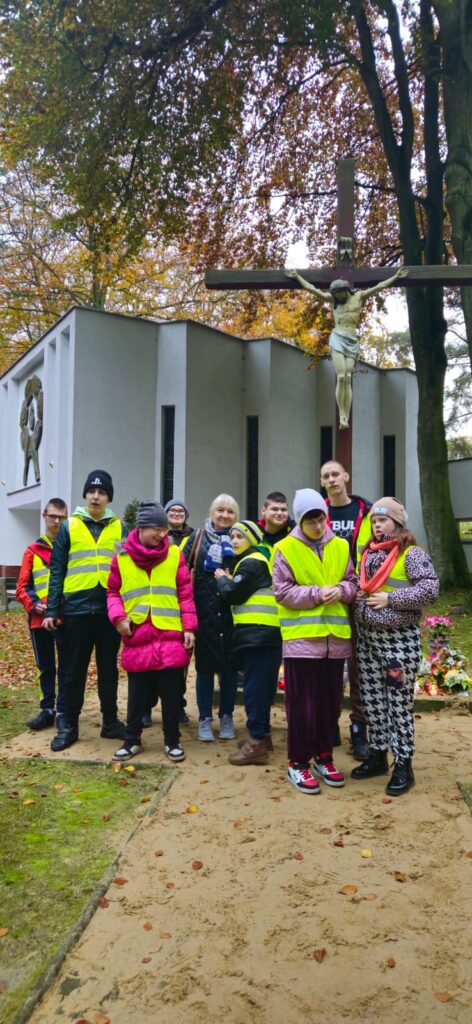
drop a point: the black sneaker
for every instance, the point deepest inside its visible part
(67, 735)
(359, 743)
(183, 718)
(44, 720)
(113, 731)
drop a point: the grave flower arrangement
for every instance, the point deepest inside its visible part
(444, 668)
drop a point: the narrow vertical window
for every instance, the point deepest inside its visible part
(326, 445)
(389, 473)
(252, 467)
(167, 452)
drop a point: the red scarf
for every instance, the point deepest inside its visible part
(378, 579)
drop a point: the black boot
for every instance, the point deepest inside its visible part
(376, 764)
(402, 778)
(359, 741)
(68, 733)
(113, 730)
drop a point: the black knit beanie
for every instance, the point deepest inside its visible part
(99, 478)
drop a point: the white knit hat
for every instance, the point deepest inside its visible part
(307, 500)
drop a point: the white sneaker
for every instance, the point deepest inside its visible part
(301, 777)
(176, 753)
(205, 731)
(227, 728)
(326, 770)
(127, 751)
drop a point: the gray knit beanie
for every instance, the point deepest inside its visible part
(150, 513)
(177, 501)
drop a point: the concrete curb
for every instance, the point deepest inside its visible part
(53, 967)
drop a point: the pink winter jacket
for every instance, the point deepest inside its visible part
(150, 648)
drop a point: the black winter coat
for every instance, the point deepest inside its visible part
(250, 574)
(215, 622)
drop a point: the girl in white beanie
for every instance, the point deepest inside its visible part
(313, 582)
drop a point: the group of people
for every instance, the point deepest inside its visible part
(344, 581)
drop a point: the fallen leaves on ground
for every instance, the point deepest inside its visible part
(370, 896)
(399, 876)
(348, 890)
(319, 955)
(101, 1018)
(366, 853)
(120, 881)
(146, 960)
(197, 864)
(391, 962)
(444, 997)
(192, 809)
(166, 935)
(326, 831)
(339, 841)
(170, 885)
(103, 902)
(298, 856)
(159, 853)
(148, 926)
(3, 931)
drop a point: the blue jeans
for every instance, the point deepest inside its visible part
(205, 690)
(261, 672)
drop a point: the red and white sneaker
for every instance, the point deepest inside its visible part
(326, 770)
(301, 777)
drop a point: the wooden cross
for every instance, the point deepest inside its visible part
(358, 277)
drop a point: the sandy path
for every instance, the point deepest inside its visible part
(235, 939)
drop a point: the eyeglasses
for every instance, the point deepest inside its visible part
(57, 519)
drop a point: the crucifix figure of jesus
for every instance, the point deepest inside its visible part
(347, 305)
(358, 283)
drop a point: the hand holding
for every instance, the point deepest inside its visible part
(50, 624)
(403, 272)
(378, 600)
(219, 573)
(189, 640)
(124, 627)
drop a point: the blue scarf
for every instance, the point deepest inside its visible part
(220, 547)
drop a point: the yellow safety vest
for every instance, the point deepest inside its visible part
(156, 594)
(89, 562)
(260, 609)
(363, 538)
(41, 572)
(309, 570)
(398, 577)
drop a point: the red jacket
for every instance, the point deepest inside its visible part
(25, 591)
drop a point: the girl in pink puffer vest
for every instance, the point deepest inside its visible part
(153, 657)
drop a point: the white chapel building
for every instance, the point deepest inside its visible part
(178, 409)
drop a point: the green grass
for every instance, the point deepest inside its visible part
(62, 824)
(15, 709)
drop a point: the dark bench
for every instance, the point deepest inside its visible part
(7, 592)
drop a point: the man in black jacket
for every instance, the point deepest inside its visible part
(80, 564)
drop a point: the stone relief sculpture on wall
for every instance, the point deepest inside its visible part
(31, 426)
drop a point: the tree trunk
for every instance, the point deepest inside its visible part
(425, 305)
(427, 335)
(455, 20)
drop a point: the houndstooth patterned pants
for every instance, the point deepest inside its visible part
(388, 661)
